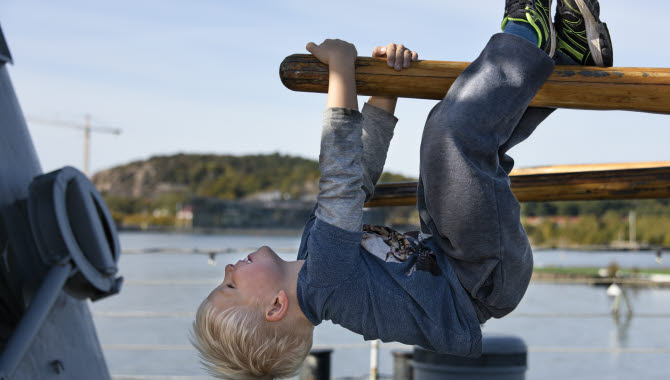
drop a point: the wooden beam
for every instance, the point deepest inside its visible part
(609, 181)
(588, 167)
(595, 88)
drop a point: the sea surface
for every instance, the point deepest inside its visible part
(569, 329)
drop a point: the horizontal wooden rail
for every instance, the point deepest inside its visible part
(596, 88)
(607, 181)
(588, 167)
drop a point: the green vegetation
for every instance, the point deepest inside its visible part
(565, 224)
(229, 177)
(582, 271)
(597, 208)
(567, 271)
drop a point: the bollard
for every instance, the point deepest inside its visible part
(402, 364)
(316, 365)
(503, 357)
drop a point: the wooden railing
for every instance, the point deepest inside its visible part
(561, 183)
(596, 88)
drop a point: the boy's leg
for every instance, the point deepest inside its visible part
(464, 196)
(573, 49)
(582, 39)
(530, 120)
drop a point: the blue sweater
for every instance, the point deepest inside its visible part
(342, 282)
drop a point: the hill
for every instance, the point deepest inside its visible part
(219, 176)
(158, 185)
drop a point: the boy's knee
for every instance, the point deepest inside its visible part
(240, 343)
(510, 281)
(456, 128)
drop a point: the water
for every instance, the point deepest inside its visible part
(568, 328)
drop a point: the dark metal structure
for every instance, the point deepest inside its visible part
(317, 365)
(504, 357)
(58, 247)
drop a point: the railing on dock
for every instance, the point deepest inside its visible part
(643, 180)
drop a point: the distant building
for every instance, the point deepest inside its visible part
(184, 217)
(218, 213)
(272, 211)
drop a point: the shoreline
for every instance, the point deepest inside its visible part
(214, 231)
(617, 247)
(646, 277)
(604, 248)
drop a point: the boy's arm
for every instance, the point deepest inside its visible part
(378, 119)
(378, 126)
(341, 196)
(340, 57)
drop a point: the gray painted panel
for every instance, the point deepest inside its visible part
(68, 335)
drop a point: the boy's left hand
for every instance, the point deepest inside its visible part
(397, 55)
(334, 52)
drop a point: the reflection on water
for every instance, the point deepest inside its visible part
(622, 326)
(570, 330)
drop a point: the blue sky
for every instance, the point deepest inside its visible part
(202, 76)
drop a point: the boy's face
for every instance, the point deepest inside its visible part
(258, 277)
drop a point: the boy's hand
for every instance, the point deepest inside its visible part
(397, 56)
(340, 56)
(333, 52)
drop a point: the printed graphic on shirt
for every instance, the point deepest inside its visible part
(394, 247)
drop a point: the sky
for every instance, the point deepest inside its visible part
(202, 76)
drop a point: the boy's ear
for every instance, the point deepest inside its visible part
(278, 309)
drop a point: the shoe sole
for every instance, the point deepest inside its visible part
(595, 29)
(552, 48)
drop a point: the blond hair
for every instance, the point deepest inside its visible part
(238, 343)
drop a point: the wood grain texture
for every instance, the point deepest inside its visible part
(595, 88)
(639, 182)
(589, 167)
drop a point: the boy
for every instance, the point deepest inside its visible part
(472, 260)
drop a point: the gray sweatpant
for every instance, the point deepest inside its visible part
(464, 196)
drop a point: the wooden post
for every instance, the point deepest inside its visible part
(374, 359)
(87, 144)
(632, 224)
(594, 88)
(561, 183)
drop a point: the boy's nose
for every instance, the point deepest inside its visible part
(230, 268)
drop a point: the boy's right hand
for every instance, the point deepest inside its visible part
(333, 52)
(397, 55)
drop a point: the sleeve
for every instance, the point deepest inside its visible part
(341, 196)
(378, 127)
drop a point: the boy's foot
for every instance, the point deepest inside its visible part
(580, 33)
(537, 13)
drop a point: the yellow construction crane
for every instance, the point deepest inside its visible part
(86, 127)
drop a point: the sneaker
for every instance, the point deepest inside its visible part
(537, 13)
(580, 33)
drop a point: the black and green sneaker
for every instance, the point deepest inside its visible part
(580, 33)
(537, 13)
